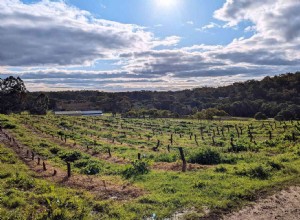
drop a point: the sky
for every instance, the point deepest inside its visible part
(117, 45)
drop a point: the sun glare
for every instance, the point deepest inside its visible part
(166, 3)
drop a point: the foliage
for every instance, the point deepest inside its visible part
(70, 156)
(137, 168)
(210, 113)
(206, 156)
(259, 164)
(258, 171)
(260, 116)
(244, 99)
(92, 169)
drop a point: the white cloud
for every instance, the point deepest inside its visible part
(211, 25)
(52, 33)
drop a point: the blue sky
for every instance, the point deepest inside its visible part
(117, 45)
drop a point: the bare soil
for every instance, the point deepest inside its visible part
(102, 189)
(284, 205)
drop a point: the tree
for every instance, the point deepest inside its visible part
(12, 95)
(210, 113)
(284, 115)
(40, 105)
(260, 116)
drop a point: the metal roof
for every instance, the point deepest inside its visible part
(78, 112)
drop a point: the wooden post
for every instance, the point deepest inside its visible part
(44, 166)
(183, 159)
(39, 161)
(270, 135)
(139, 156)
(32, 156)
(109, 152)
(69, 169)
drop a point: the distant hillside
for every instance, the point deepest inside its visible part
(269, 96)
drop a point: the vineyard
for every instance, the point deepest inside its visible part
(123, 168)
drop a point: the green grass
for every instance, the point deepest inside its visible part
(237, 170)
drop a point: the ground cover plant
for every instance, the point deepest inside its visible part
(133, 168)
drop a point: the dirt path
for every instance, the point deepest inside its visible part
(284, 205)
(102, 189)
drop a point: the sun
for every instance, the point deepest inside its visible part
(166, 3)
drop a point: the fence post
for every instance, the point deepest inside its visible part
(183, 159)
(69, 169)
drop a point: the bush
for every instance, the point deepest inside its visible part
(54, 150)
(207, 156)
(81, 163)
(137, 168)
(260, 116)
(70, 156)
(92, 168)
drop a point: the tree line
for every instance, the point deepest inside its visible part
(276, 96)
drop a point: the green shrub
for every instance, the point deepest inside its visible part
(70, 156)
(54, 150)
(92, 168)
(137, 168)
(207, 156)
(81, 163)
(260, 116)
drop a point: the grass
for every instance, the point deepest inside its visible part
(237, 169)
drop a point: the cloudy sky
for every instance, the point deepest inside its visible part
(117, 45)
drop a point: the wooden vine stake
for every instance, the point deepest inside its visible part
(69, 169)
(183, 159)
(44, 166)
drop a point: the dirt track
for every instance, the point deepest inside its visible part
(284, 205)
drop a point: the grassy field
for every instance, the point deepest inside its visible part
(132, 168)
